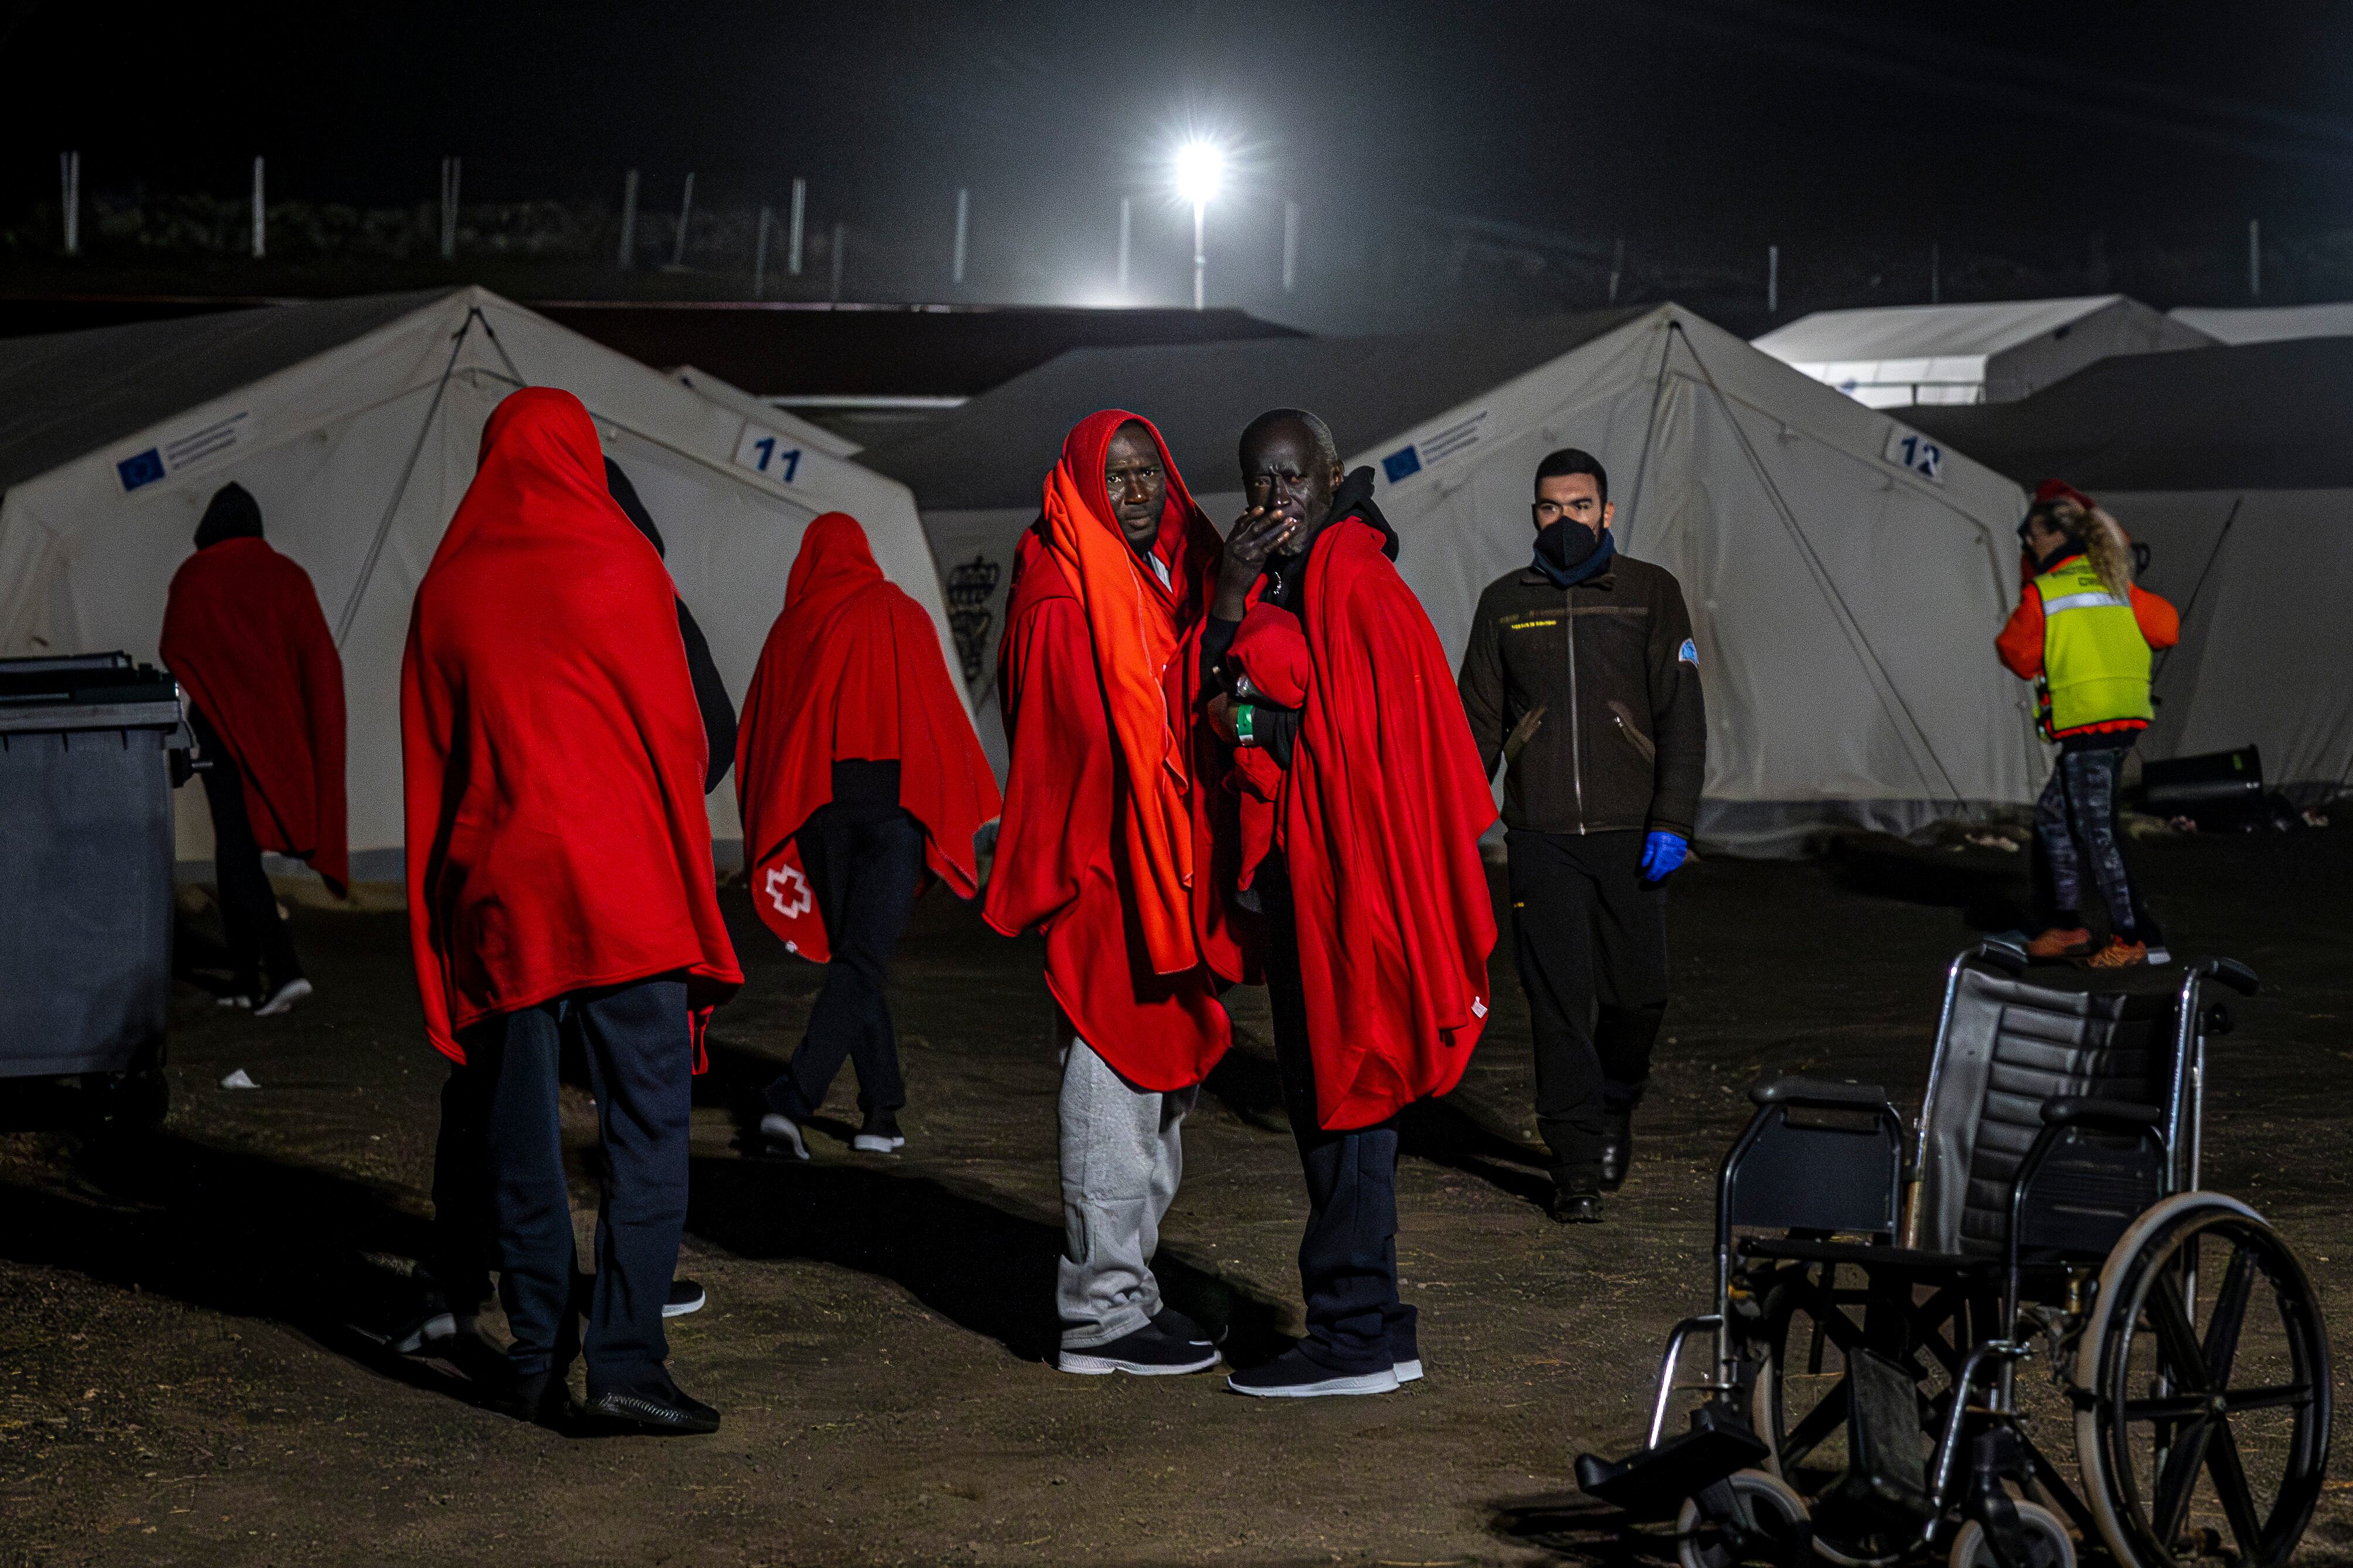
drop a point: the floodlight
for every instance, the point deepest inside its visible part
(1199, 166)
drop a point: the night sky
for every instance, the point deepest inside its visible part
(1736, 119)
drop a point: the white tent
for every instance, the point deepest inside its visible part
(1846, 577)
(2266, 323)
(763, 413)
(355, 423)
(2231, 465)
(1892, 356)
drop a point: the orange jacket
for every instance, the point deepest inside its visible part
(2021, 642)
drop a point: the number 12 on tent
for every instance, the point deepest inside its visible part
(1907, 449)
(763, 452)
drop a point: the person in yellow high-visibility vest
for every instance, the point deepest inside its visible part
(2083, 631)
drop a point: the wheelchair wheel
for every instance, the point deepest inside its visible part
(2048, 1544)
(1771, 1527)
(2206, 1399)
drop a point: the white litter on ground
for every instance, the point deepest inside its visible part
(239, 1079)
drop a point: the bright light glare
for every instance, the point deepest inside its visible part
(1199, 166)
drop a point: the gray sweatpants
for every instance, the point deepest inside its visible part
(1123, 1154)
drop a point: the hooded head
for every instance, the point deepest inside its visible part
(232, 515)
(834, 555)
(625, 495)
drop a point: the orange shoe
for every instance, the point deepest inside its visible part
(2060, 942)
(2118, 955)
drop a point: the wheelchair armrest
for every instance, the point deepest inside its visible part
(2006, 956)
(2230, 972)
(1818, 1092)
(2088, 1110)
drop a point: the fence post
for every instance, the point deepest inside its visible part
(760, 254)
(793, 252)
(69, 177)
(2254, 258)
(1772, 280)
(964, 219)
(450, 176)
(1936, 274)
(259, 225)
(1289, 247)
(685, 211)
(628, 257)
(841, 244)
(1126, 231)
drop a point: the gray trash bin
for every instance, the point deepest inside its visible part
(91, 747)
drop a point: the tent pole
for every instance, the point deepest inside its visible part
(384, 525)
(2165, 656)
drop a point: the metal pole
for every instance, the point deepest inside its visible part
(1200, 251)
(841, 244)
(964, 219)
(1936, 275)
(1290, 246)
(1126, 228)
(685, 211)
(1617, 269)
(69, 177)
(452, 169)
(259, 235)
(629, 257)
(2254, 258)
(1772, 280)
(760, 255)
(793, 254)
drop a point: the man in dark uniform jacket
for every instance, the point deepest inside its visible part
(1583, 677)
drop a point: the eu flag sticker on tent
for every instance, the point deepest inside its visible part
(144, 469)
(1401, 464)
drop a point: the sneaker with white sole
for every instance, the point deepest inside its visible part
(783, 1134)
(880, 1135)
(234, 999)
(282, 1000)
(1292, 1376)
(437, 1324)
(685, 1296)
(1146, 1352)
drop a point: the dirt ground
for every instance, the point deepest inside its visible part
(186, 1372)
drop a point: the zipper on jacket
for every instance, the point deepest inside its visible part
(1575, 739)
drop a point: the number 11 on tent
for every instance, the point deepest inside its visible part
(764, 453)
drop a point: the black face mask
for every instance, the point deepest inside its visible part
(1566, 544)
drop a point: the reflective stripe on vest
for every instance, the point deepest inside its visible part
(2094, 659)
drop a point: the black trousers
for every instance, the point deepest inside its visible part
(249, 904)
(1347, 1258)
(863, 860)
(640, 1054)
(465, 1227)
(1591, 940)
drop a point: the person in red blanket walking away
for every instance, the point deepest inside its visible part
(860, 780)
(244, 636)
(1105, 846)
(560, 878)
(1377, 918)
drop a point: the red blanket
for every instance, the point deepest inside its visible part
(553, 750)
(243, 633)
(852, 669)
(1075, 840)
(1380, 822)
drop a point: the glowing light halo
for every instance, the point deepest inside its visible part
(1201, 166)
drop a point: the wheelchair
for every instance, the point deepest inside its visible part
(1876, 1317)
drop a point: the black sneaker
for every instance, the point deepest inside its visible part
(1177, 1326)
(685, 1296)
(1292, 1376)
(542, 1398)
(661, 1409)
(1146, 1352)
(1616, 1146)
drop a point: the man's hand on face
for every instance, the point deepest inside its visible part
(1256, 535)
(1136, 483)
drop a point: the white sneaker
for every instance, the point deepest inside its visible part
(1410, 1371)
(433, 1326)
(876, 1143)
(234, 999)
(282, 1000)
(784, 1132)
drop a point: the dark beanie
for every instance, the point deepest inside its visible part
(232, 515)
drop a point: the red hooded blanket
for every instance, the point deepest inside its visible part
(852, 669)
(243, 631)
(553, 750)
(1097, 673)
(1380, 822)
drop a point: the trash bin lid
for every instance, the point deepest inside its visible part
(86, 691)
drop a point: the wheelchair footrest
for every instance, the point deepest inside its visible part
(1654, 1483)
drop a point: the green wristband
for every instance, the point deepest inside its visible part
(1245, 716)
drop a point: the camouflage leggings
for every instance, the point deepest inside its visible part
(2077, 820)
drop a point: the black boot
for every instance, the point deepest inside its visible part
(1616, 1146)
(1576, 1199)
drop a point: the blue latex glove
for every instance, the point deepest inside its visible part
(1662, 853)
